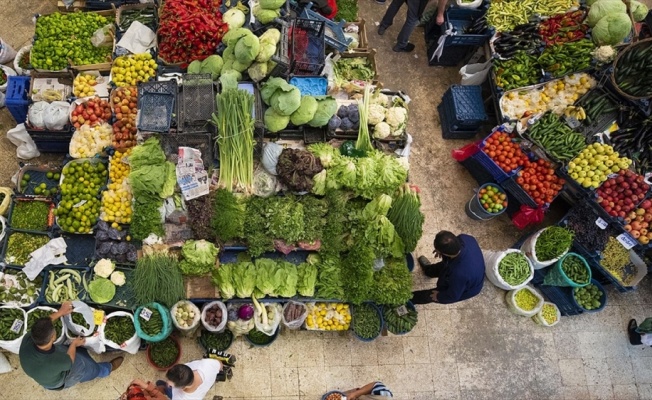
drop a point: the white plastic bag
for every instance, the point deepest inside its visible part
(472, 5)
(295, 323)
(103, 37)
(475, 74)
(55, 116)
(513, 307)
(61, 337)
(9, 72)
(36, 113)
(4, 365)
(538, 318)
(269, 158)
(194, 325)
(7, 53)
(26, 148)
(264, 183)
(19, 55)
(222, 324)
(528, 247)
(274, 315)
(492, 261)
(131, 345)
(91, 334)
(14, 345)
(2, 99)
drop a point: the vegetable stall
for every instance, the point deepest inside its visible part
(216, 185)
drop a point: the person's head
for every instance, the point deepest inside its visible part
(43, 332)
(180, 376)
(447, 244)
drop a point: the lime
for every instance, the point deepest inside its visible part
(49, 175)
(26, 177)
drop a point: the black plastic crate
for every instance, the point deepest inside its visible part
(603, 121)
(200, 141)
(197, 102)
(477, 171)
(19, 199)
(574, 188)
(313, 135)
(52, 145)
(461, 19)
(465, 105)
(107, 4)
(156, 111)
(560, 296)
(448, 132)
(282, 57)
(451, 56)
(308, 47)
(80, 250)
(170, 87)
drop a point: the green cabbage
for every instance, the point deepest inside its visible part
(274, 121)
(101, 290)
(231, 37)
(639, 10)
(240, 67)
(602, 8)
(326, 108)
(244, 279)
(271, 4)
(198, 257)
(246, 49)
(212, 65)
(266, 16)
(234, 18)
(270, 87)
(229, 79)
(272, 36)
(194, 67)
(257, 71)
(222, 278)
(267, 50)
(286, 100)
(306, 111)
(612, 29)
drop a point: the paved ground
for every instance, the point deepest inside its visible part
(473, 350)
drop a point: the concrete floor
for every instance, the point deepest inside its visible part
(473, 350)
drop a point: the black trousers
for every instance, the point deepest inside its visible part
(432, 271)
(414, 12)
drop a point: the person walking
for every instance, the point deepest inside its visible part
(640, 334)
(460, 273)
(54, 366)
(414, 12)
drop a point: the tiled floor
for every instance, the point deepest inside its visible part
(472, 350)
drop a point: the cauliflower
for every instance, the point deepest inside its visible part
(380, 99)
(376, 114)
(118, 278)
(397, 131)
(604, 54)
(381, 130)
(104, 268)
(396, 116)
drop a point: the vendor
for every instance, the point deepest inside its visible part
(54, 366)
(370, 391)
(460, 273)
(193, 380)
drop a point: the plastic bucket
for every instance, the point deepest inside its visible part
(603, 298)
(325, 396)
(410, 306)
(205, 333)
(557, 277)
(149, 357)
(380, 328)
(474, 209)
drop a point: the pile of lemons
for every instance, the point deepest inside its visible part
(328, 316)
(84, 85)
(116, 200)
(134, 68)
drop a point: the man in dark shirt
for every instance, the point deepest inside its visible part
(460, 273)
(54, 366)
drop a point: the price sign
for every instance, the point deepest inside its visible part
(146, 313)
(401, 311)
(572, 122)
(602, 224)
(17, 326)
(627, 241)
(98, 317)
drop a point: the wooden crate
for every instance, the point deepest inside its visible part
(363, 43)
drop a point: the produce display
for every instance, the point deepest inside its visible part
(638, 223)
(48, 188)
(39, 313)
(587, 233)
(79, 207)
(124, 105)
(595, 104)
(526, 300)
(17, 290)
(7, 318)
(116, 200)
(164, 353)
(101, 290)
(91, 112)
(557, 138)
(114, 244)
(83, 85)
(328, 316)
(504, 151)
(524, 38)
(610, 22)
(354, 69)
(593, 165)
(20, 245)
(366, 322)
(620, 195)
(633, 70)
(562, 59)
(588, 297)
(214, 316)
(616, 260)
(198, 257)
(119, 329)
(575, 269)
(553, 242)
(400, 323)
(506, 15)
(65, 285)
(492, 199)
(563, 28)
(32, 215)
(538, 179)
(519, 71)
(184, 315)
(514, 268)
(293, 312)
(157, 278)
(87, 141)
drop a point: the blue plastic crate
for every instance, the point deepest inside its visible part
(560, 296)
(465, 104)
(477, 171)
(17, 98)
(490, 167)
(461, 19)
(448, 131)
(334, 36)
(310, 85)
(451, 56)
(308, 47)
(52, 145)
(455, 123)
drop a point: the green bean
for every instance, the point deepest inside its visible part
(366, 321)
(553, 242)
(164, 353)
(514, 268)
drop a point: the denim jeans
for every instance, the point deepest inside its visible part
(85, 369)
(414, 11)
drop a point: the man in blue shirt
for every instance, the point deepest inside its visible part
(460, 273)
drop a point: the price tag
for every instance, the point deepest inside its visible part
(98, 317)
(146, 313)
(17, 326)
(572, 122)
(81, 203)
(627, 241)
(602, 224)
(401, 311)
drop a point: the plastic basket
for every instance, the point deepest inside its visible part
(170, 87)
(12, 210)
(51, 141)
(380, 328)
(325, 396)
(635, 262)
(461, 19)
(451, 56)
(334, 35)
(557, 277)
(200, 141)
(313, 135)
(272, 339)
(37, 175)
(156, 111)
(465, 105)
(197, 102)
(17, 97)
(80, 249)
(38, 298)
(447, 130)
(107, 4)
(603, 121)
(282, 57)
(603, 298)
(308, 47)
(5, 247)
(204, 334)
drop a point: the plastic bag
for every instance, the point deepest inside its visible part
(264, 183)
(3, 227)
(475, 74)
(492, 261)
(269, 158)
(62, 336)
(527, 215)
(538, 318)
(130, 345)
(194, 325)
(103, 37)
(295, 323)
(274, 315)
(528, 247)
(55, 116)
(472, 5)
(9, 72)
(36, 113)
(465, 152)
(6, 202)
(511, 302)
(14, 345)
(166, 328)
(7, 53)
(222, 324)
(26, 148)
(2, 99)
(19, 55)
(4, 365)
(91, 334)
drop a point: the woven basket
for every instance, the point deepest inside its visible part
(644, 42)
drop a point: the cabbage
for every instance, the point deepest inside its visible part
(306, 111)
(266, 16)
(240, 67)
(272, 36)
(246, 49)
(194, 67)
(101, 290)
(639, 10)
(602, 8)
(229, 79)
(222, 277)
(257, 71)
(275, 122)
(271, 4)
(612, 29)
(286, 100)
(267, 50)
(231, 37)
(326, 108)
(234, 18)
(270, 87)
(212, 65)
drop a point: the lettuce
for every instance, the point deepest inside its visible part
(288, 279)
(222, 278)
(148, 153)
(393, 283)
(198, 257)
(267, 280)
(244, 279)
(307, 279)
(358, 273)
(170, 180)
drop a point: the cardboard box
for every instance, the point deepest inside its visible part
(59, 81)
(369, 54)
(363, 43)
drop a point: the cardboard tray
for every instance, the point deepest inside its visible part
(369, 54)
(60, 81)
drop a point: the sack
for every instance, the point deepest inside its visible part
(103, 37)
(7, 53)
(9, 72)
(36, 113)
(19, 55)
(511, 302)
(130, 345)
(222, 324)
(475, 74)
(3, 227)
(557, 277)
(55, 116)
(192, 328)
(274, 314)
(14, 345)
(91, 334)
(492, 261)
(529, 246)
(26, 148)
(166, 328)
(6, 202)
(269, 158)
(4, 365)
(294, 324)
(538, 318)
(62, 336)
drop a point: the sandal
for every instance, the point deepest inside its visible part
(634, 337)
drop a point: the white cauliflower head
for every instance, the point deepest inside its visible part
(380, 99)
(104, 268)
(118, 278)
(381, 130)
(396, 116)
(376, 114)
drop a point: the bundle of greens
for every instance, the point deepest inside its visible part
(406, 216)
(255, 227)
(358, 274)
(198, 257)
(379, 233)
(200, 216)
(329, 283)
(157, 278)
(267, 281)
(363, 143)
(314, 211)
(286, 219)
(392, 283)
(332, 243)
(146, 217)
(229, 213)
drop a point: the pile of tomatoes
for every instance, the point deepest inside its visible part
(505, 153)
(538, 179)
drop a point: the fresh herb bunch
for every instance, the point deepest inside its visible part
(146, 218)
(30, 215)
(406, 216)
(229, 214)
(157, 278)
(392, 283)
(200, 214)
(255, 229)
(358, 274)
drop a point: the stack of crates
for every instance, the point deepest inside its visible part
(17, 98)
(462, 112)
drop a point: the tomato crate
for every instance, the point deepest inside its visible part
(490, 165)
(17, 97)
(462, 19)
(465, 106)
(477, 170)
(516, 192)
(448, 129)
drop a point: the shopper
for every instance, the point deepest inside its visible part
(148, 390)
(460, 273)
(327, 8)
(640, 334)
(193, 380)
(370, 391)
(54, 366)
(414, 12)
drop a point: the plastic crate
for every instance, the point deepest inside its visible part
(80, 250)
(461, 19)
(22, 199)
(603, 121)
(334, 36)
(197, 103)
(200, 141)
(465, 105)
(308, 47)
(282, 57)
(477, 171)
(52, 145)
(51, 141)
(170, 87)
(5, 246)
(156, 111)
(107, 4)
(447, 128)
(635, 261)
(560, 296)
(124, 297)
(85, 272)
(451, 56)
(313, 135)
(17, 97)
(492, 169)
(310, 85)
(577, 190)
(37, 175)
